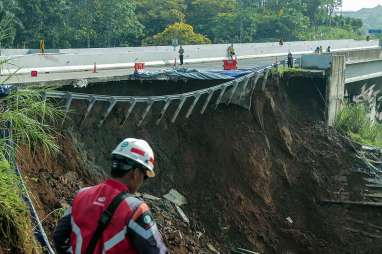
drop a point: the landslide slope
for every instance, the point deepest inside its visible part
(243, 172)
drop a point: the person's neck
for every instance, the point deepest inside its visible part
(124, 182)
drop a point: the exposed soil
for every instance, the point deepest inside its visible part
(252, 179)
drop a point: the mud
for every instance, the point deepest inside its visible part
(254, 179)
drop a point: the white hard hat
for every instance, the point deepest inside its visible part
(139, 151)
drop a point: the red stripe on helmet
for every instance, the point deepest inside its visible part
(138, 151)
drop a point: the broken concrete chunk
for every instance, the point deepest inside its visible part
(289, 219)
(175, 197)
(182, 214)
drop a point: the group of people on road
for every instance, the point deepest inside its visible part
(230, 53)
(319, 50)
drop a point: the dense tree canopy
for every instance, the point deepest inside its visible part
(99, 23)
(181, 32)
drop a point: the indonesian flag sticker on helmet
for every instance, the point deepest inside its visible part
(139, 151)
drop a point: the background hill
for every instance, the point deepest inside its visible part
(371, 17)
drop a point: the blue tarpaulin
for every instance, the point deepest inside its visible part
(6, 90)
(191, 74)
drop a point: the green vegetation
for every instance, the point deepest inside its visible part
(282, 70)
(354, 121)
(31, 119)
(99, 23)
(15, 225)
(183, 32)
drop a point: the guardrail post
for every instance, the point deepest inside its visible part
(234, 88)
(69, 99)
(163, 112)
(108, 111)
(210, 93)
(196, 99)
(266, 74)
(220, 96)
(150, 104)
(129, 111)
(245, 84)
(178, 109)
(92, 101)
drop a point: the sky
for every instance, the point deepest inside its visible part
(355, 5)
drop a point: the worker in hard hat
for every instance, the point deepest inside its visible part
(109, 218)
(231, 52)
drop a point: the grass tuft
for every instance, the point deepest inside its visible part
(32, 119)
(354, 120)
(15, 225)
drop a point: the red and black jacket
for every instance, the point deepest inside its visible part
(131, 230)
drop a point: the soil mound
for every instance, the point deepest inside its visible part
(253, 179)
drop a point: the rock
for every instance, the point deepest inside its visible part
(175, 197)
(289, 219)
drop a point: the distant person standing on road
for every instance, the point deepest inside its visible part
(321, 50)
(290, 60)
(329, 49)
(317, 50)
(281, 42)
(181, 54)
(231, 52)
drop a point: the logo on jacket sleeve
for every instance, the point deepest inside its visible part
(147, 219)
(100, 201)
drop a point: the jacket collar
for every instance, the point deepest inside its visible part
(117, 185)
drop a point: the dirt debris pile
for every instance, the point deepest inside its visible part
(253, 179)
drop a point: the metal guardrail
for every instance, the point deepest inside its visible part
(238, 86)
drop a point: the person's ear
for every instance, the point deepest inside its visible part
(138, 173)
(135, 174)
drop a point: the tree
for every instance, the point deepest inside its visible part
(9, 23)
(42, 20)
(101, 23)
(202, 13)
(234, 27)
(157, 15)
(289, 26)
(184, 33)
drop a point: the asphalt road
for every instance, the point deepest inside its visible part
(70, 58)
